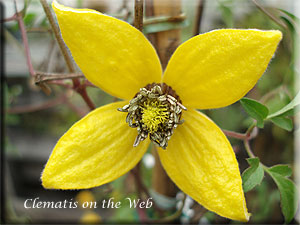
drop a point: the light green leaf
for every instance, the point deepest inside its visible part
(253, 175)
(294, 103)
(283, 122)
(283, 170)
(256, 110)
(153, 25)
(288, 194)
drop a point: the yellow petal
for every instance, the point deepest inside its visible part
(218, 68)
(112, 54)
(94, 151)
(201, 162)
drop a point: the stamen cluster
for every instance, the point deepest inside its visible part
(155, 111)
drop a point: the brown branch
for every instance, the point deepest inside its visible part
(76, 83)
(12, 18)
(25, 41)
(271, 16)
(138, 14)
(44, 77)
(199, 14)
(58, 38)
(37, 107)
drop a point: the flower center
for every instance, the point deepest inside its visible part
(154, 115)
(155, 111)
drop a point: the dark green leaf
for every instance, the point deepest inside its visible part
(283, 170)
(289, 24)
(255, 109)
(253, 175)
(288, 195)
(293, 104)
(283, 122)
(295, 18)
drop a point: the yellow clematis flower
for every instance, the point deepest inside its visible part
(210, 70)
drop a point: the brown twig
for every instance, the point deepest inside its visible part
(138, 14)
(25, 40)
(271, 16)
(44, 77)
(12, 18)
(37, 107)
(58, 38)
(199, 15)
(76, 83)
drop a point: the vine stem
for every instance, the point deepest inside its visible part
(138, 14)
(248, 135)
(271, 16)
(248, 149)
(56, 32)
(81, 89)
(25, 40)
(43, 77)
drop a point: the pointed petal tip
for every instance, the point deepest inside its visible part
(274, 34)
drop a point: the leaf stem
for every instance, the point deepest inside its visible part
(248, 135)
(248, 149)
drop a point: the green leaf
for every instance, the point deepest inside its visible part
(295, 18)
(294, 103)
(283, 170)
(256, 110)
(253, 175)
(289, 24)
(29, 19)
(283, 122)
(288, 193)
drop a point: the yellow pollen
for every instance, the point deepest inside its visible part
(154, 115)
